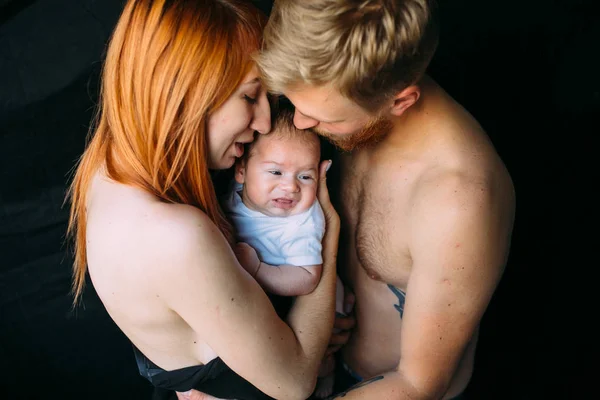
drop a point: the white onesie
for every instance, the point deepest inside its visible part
(293, 240)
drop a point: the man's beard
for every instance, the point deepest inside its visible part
(372, 133)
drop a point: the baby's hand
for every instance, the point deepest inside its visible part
(247, 257)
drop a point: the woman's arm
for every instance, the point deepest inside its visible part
(202, 281)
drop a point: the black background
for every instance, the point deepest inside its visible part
(528, 71)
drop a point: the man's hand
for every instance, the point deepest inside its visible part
(343, 324)
(194, 395)
(247, 257)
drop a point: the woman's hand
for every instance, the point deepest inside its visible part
(234, 316)
(342, 325)
(331, 216)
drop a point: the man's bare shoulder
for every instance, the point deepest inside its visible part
(443, 191)
(471, 172)
(455, 210)
(458, 161)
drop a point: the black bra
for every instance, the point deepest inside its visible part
(214, 378)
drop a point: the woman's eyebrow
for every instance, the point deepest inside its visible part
(252, 82)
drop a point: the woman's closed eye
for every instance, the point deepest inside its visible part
(249, 99)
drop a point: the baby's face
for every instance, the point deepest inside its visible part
(280, 176)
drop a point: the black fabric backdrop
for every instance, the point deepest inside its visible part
(527, 71)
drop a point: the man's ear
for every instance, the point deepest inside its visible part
(404, 99)
(240, 171)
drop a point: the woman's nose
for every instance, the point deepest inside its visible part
(261, 121)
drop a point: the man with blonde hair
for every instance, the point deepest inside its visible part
(427, 204)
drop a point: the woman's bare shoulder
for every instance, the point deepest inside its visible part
(181, 231)
(129, 226)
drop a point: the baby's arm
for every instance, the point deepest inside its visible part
(288, 280)
(283, 280)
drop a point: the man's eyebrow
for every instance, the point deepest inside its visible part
(320, 120)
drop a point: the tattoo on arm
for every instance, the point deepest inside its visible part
(357, 386)
(401, 297)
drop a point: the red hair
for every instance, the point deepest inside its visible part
(169, 65)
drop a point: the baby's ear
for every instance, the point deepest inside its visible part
(240, 171)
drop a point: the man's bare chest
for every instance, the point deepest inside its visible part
(374, 230)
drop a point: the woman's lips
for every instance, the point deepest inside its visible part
(239, 149)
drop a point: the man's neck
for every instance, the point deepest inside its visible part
(409, 130)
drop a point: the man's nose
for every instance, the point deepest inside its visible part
(304, 122)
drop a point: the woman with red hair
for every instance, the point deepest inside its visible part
(180, 97)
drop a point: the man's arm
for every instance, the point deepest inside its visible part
(459, 240)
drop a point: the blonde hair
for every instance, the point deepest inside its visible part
(368, 49)
(169, 64)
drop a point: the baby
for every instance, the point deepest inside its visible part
(275, 210)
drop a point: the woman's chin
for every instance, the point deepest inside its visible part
(225, 163)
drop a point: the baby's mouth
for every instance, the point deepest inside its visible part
(284, 203)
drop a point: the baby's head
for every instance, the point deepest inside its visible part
(280, 170)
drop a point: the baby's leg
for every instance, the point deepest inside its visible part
(325, 378)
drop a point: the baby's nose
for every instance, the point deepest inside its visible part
(291, 186)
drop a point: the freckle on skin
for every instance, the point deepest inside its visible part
(232, 299)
